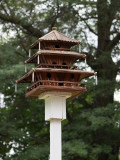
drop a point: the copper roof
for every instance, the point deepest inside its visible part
(28, 77)
(54, 52)
(54, 35)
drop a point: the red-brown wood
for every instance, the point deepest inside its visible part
(55, 71)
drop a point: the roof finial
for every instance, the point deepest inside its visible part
(54, 28)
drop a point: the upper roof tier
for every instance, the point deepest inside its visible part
(55, 36)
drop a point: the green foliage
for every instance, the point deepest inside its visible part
(75, 149)
(91, 131)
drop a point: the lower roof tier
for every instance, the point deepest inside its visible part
(40, 87)
(54, 74)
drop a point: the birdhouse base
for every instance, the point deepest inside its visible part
(55, 104)
(36, 92)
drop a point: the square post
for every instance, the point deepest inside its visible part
(55, 139)
(55, 112)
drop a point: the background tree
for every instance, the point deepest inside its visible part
(91, 131)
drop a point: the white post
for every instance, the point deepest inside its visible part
(96, 79)
(29, 52)
(38, 59)
(39, 46)
(85, 62)
(15, 87)
(55, 112)
(79, 48)
(25, 67)
(55, 139)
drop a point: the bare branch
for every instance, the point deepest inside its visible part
(113, 8)
(90, 3)
(21, 41)
(4, 9)
(19, 53)
(91, 61)
(17, 21)
(118, 65)
(90, 29)
(56, 14)
(114, 42)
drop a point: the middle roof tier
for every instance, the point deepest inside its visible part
(55, 57)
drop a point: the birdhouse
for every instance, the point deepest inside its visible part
(54, 66)
(55, 78)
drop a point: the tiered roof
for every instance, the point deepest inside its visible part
(55, 70)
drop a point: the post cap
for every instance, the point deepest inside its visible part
(84, 56)
(54, 28)
(95, 73)
(40, 39)
(38, 52)
(33, 69)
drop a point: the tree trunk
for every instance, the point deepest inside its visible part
(106, 69)
(105, 66)
(106, 79)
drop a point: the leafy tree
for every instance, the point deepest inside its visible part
(91, 131)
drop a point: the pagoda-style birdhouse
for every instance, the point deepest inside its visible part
(55, 69)
(55, 78)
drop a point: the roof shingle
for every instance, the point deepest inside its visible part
(57, 36)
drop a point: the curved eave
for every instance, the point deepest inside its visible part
(55, 53)
(35, 45)
(27, 78)
(83, 74)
